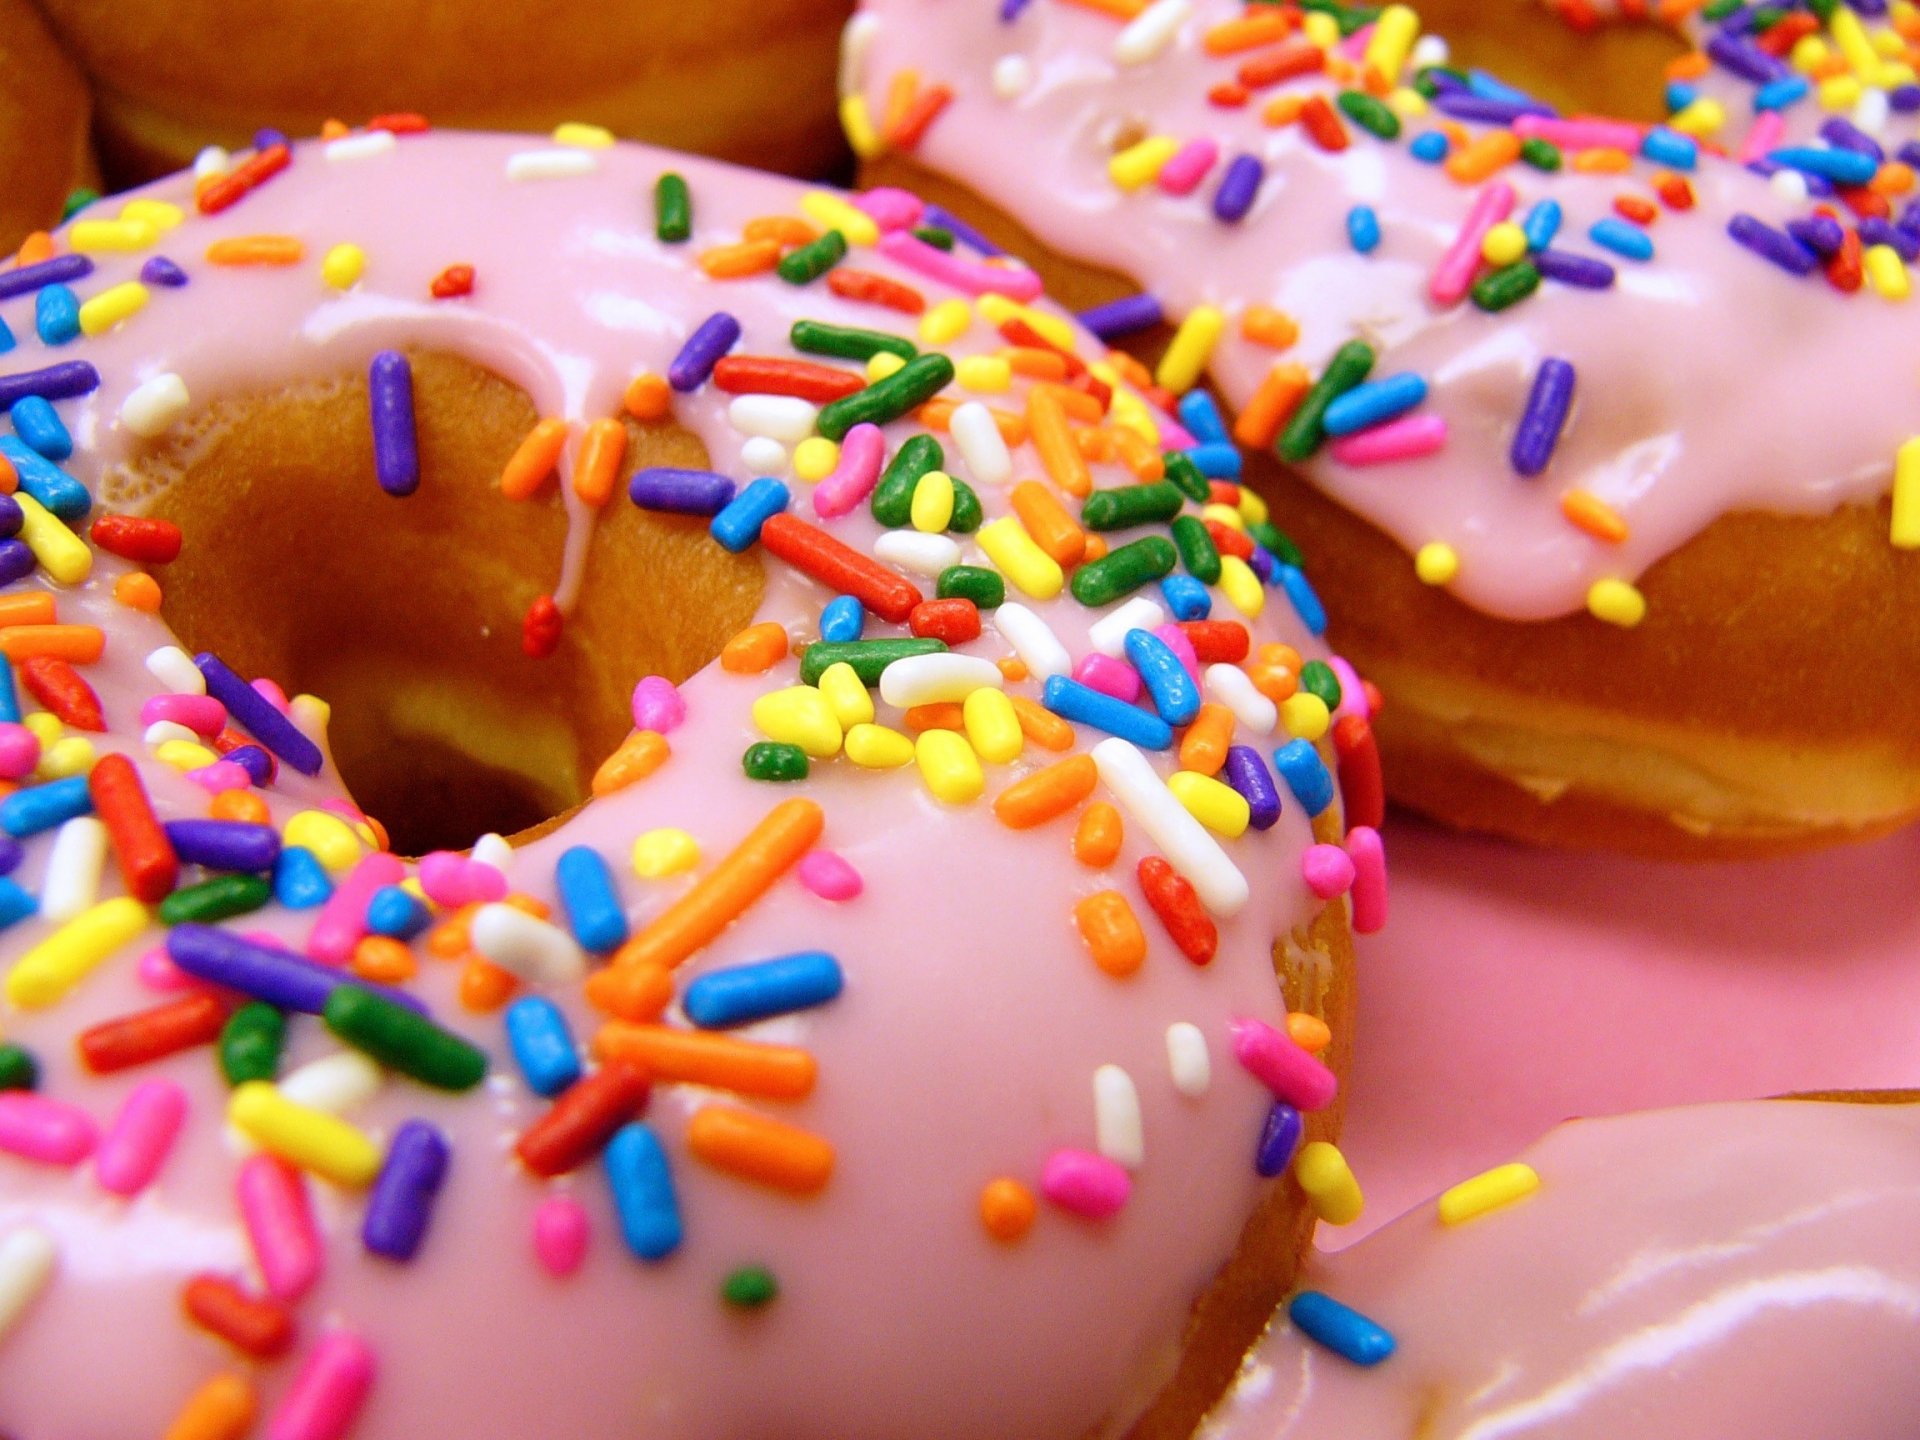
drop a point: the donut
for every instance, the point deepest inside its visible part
(752, 84)
(1623, 585)
(870, 1024)
(44, 110)
(1746, 1268)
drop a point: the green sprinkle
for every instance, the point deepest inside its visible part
(1121, 572)
(1540, 154)
(1350, 18)
(773, 760)
(1823, 10)
(220, 898)
(1506, 286)
(1197, 550)
(750, 1287)
(868, 657)
(892, 502)
(1317, 678)
(1278, 541)
(812, 260)
(1129, 505)
(914, 383)
(672, 209)
(848, 343)
(1181, 470)
(404, 1040)
(972, 582)
(1369, 113)
(77, 200)
(1306, 432)
(967, 513)
(250, 1043)
(1720, 9)
(933, 235)
(18, 1069)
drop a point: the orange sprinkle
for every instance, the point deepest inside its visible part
(36, 247)
(1262, 27)
(1229, 95)
(527, 905)
(257, 250)
(1273, 652)
(1096, 548)
(638, 993)
(1120, 9)
(1041, 725)
(1602, 160)
(9, 477)
(1144, 462)
(450, 939)
(1637, 208)
(1095, 442)
(1013, 669)
(901, 88)
(732, 262)
(1692, 66)
(384, 959)
(767, 1152)
(1272, 405)
(1264, 325)
(1204, 746)
(941, 715)
(1078, 404)
(1282, 111)
(76, 644)
(1586, 510)
(938, 415)
(1097, 838)
(1277, 682)
(1892, 178)
(639, 755)
(331, 129)
(1309, 1032)
(1061, 458)
(1036, 364)
(221, 1409)
(701, 1057)
(33, 607)
(648, 397)
(755, 650)
(244, 805)
(1047, 521)
(767, 853)
(1047, 793)
(533, 460)
(603, 448)
(1830, 68)
(1112, 932)
(783, 230)
(484, 986)
(1483, 156)
(1007, 1208)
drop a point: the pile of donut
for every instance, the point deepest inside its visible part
(643, 799)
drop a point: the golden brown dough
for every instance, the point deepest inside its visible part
(44, 109)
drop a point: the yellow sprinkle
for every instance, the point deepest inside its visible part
(1842, 92)
(1499, 1186)
(310, 714)
(1856, 46)
(883, 364)
(663, 852)
(414, 888)
(1504, 244)
(1324, 1174)
(837, 214)
(875, 747)
(993, 726)
(1227, 515)
(1219, 807)
(1617, 603)
(66, 957)
(112, 305)
(303, 1136)
(1408, 104)
(1906, 495)
(1436, 562)
(45, 728)
(1241, 586)
(857, 120)
(799, 715)
(1253, 509)
(343, 266)
(814, 458)
(1809, 53)
(1305, 715)
(1703, 117)
(988, 374)
(183, 755)
(157, 213)
(1179, 369)
(1129, 410)
(1393, 36)
(1888, 44)
(61, 553)
(329, 837)
(1886, 271)
(997, 310)
(946, 322)
(1141, 163)
(1321, 28)
(71, 756)
(949, 766)
(849, 699)
(1032, 571)
(582, 136)
(91, 237)
(932, 506)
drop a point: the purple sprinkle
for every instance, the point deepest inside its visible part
(1010, 10)
(1819, 233)
(960, 230)
(1818, 186)
(718, 334)
(1446, 82)
(231, 845)
(252, 759)
(163, 272)
(251, 710)
(278, 977)
(1125, 316)
(1904, 100)
(12, 852)
(1771, 244)
(1845, 135)
(1246, 772)
(1279, 1138)
(1566, 268)
(57, 271)
(16, 561)
(1485, 109)
(401, 1201)
(1883, 232)
(1545, 416)
(681, 492)
(266, 138)
(396, 447)
(57, 382)
(1263, 564)
(11, 517)
(1238, 187)
(1745, 59)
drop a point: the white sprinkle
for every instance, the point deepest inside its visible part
(1118, 1131)
(338, 1084)
(981, 444)
(153, 406)
(1188, 1059)
(1150, 32)
(1012, 74)
(786, 418)
(1790, 185)
(1108, 634)
(763, 456)
(359, 147)
(937, 679)
(491, 849)
(1234, 688)
(27, 1259)
(210, 162)
(175, 671)
(551, 164)
(1871, 111)
(71, 883)
(530, 948)
(1428, 50)
(1181, 838)
(1033, 641)
(855, 41)
(922, 554)
(162, 731)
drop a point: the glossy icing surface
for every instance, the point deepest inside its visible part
(1673, 423)
(963, 1048)
(1745, 1269)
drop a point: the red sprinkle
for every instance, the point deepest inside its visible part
(1323, 124)
(955, 620)
(813, 552)
(1228, 95)
(1229, 541)
(254, 1324)
(1636, 208)
(139, 840)
(401, 122)
(1675, 191)
(1843, 267)
(1173, 899)
(924, 110)
(540, 632)
(1867, 204)
(227, 191)
(1284, 62)
(144, 539)
(149, 1035)
(58, 686)
(866, 288)
(583, 1119)
(769, 375)
(1218, 642)
(453, 282)
(1361, 788)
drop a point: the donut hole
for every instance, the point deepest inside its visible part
(1616, 68)
(406, 615)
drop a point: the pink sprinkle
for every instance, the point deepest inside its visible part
(1581, 134)
(1453, 276)
(829, 875)
(658, 705)
(221, 776)
(343, 919)
(1109, 676)
(561, 1232)
(19, 751)
(157, 971)
(279, 1221)
(1189, 166)
(345, 809)
(1407, 438)
(1353, 691)
(1369, 879)
(452, 879)
(1175, 639)
(49, 1131)
(853, 477)
(141, 1137)
(1271, 1057)
(891, 207)
(1327, 869)
(975, 277)
(1174, 435)
(1089, 1185)
(273, 694)
(326, 1396)
(201, 714)
(1769, 128)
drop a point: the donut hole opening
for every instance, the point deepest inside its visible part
(406, 614)
(1615, 68)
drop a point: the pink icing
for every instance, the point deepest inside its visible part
(896, 1307)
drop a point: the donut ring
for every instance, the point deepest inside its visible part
(933, 1193)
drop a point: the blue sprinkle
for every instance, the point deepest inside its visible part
(543, 1045)
(1844, 134)
(1679, 95)
(1780, 94)
(15, 904)
(737, 526)
(1307, 604)
(1279, 1138)
(255, 714)
(1548, 403)
(1541, 224)
(1306, 775)
(842, 620)
(161, 271)
(1491, 87)
(1125, 316)
(1843, 167)
(1670, 148)
(1771, 244)
(39, 424)
(1363, 229)
(56, 315)
(7, 342)
(1429, 147)
(299, 879)
(64, 497)
(716, 335)
(1238, 188)
(1588, 272)
(41, 807)
(587, 894)
(1621, 238)
(401, 1201)
(235, 846)
(29, 278)
(680, 492)
(643, 1194)
(395, 912)
(1346, 1332)
(9, 693)
(1168, 684)
(1216, 461)
(1374, 402)
(1070, 700)
(1247, 773)
(1186, 597)
(1201, 415)
(741, 994)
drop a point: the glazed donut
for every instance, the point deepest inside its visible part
(750, 83)
(961, 1118)
(1622, 585)
(44, 109)
(1734, 1269)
